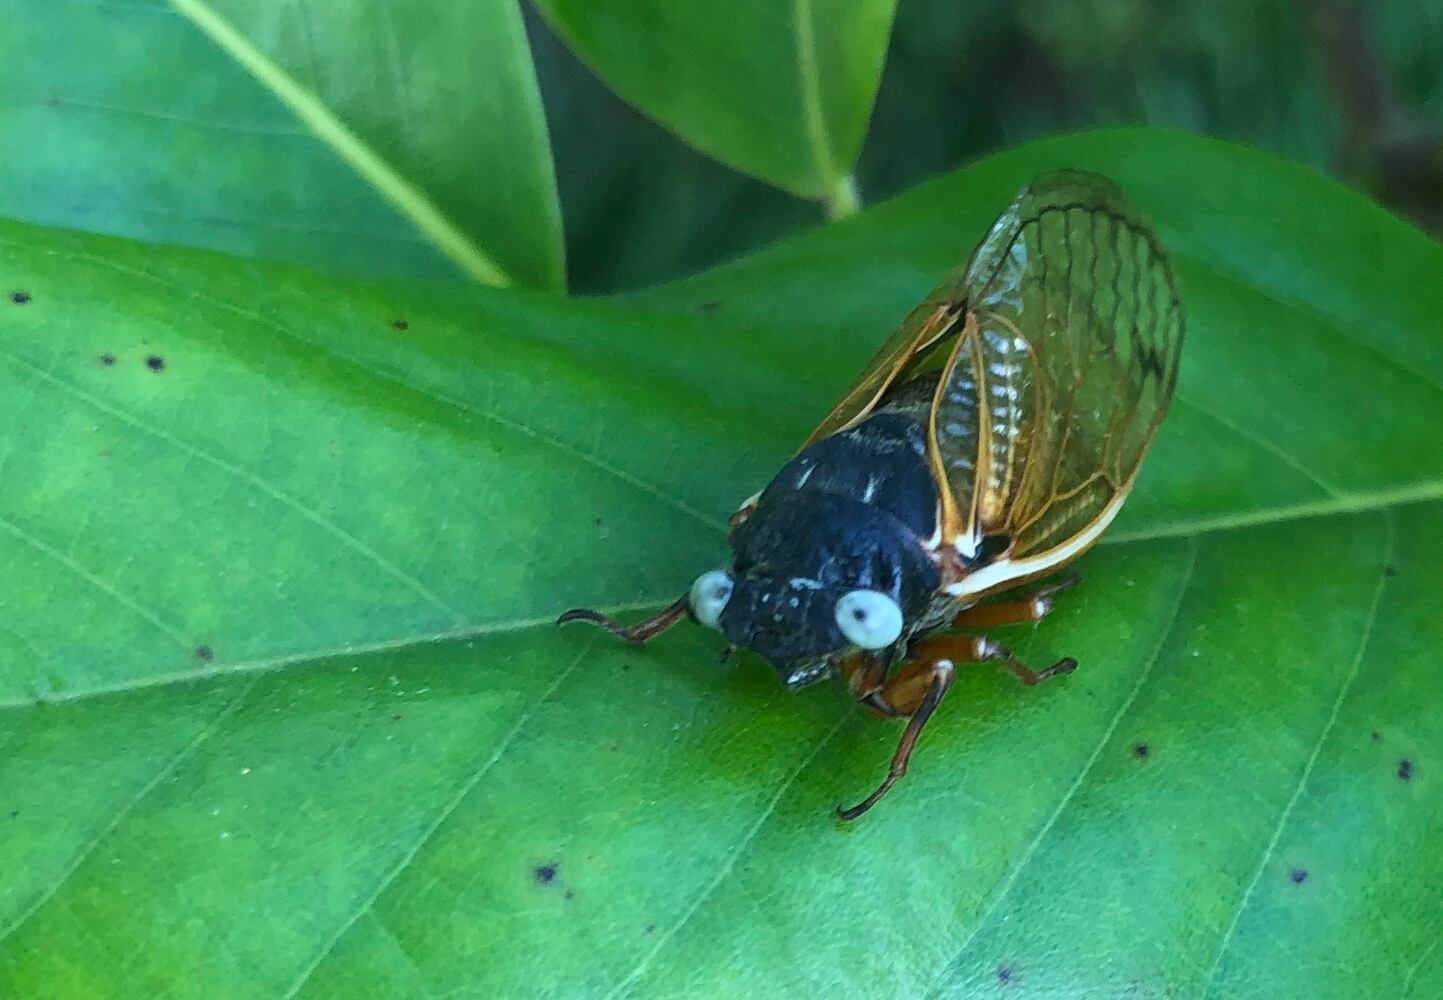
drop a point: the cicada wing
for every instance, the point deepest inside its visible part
(925, 335)
(1064, 370)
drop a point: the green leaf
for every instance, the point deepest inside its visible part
(781, 91)
(284, 713)
(350, 136)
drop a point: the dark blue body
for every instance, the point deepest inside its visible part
(853, 510)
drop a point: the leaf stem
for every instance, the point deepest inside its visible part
(843, 199)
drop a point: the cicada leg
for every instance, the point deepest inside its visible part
(638, 633)
(899, 695)
(917, 688)
(1030, 608)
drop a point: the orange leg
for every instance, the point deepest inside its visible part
(638, 633)
(917, 689)
(932, 679)
(1030, 608)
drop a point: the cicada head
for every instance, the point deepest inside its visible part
(816, 576)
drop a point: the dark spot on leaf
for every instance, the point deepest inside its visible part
(204, 653)
(545, 874)
(1298, 875)
(650, 928)
(1390, 571)
(155, 363)
(1376, 736)
(1405, 769)
(1004, 974)
(400, 324)
(626, 666)
(14, 813)
(709, 307)
(19, 297)
(107, 360)
(596, 520)
(1141, 750)
(395, 718)
(570, 894)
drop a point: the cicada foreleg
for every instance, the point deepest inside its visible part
(638, 633)
(917, 688)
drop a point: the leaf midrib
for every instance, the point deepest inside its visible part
(321, 122)
(1284, 514)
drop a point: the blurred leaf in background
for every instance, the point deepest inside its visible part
(780, 91)
(965, 79)
(361, 137)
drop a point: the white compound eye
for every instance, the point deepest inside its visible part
(869, 619)
(709, 595)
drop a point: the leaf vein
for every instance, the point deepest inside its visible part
(1389, 541)
(1006, 885)
(409, 200)
(165, 771)
(105, 588)
(446, 812)
(1287, 459)
(728, 864)
(285, 499)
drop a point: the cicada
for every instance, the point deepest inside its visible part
(987, 445)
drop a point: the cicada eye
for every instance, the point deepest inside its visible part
(869, 619)
(709, 596)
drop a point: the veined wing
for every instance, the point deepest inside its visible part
(923, 338)
(1064, 368)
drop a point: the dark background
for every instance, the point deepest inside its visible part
(1354, 89)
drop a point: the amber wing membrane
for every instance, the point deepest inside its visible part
(1062, 373)
(934, 323)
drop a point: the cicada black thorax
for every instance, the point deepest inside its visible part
(855, 509)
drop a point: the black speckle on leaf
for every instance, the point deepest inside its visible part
(1298, 875)
(395, 718)
(400, 324)
(650, 928)
(14, 813)
(1405, 769)
(1377, 736)
(19, 297)
(596, 520)
(709, 306)
(107, 359)
(155, 363)
(204, 653)
(545, 874)
(1390, 571)
(1004, 974)
(570, 894)
(1141, 750)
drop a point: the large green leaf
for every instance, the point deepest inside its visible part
(289, 131)
(283, 712)
(779, 90)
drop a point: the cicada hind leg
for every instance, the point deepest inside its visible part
(638, 633)
(917, 688)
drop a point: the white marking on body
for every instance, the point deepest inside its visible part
(990, 578)
(806, 474)
(804, 583)
(871, 489)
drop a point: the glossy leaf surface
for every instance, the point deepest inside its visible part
(283, 713)
(298, 134)
(781, 91)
